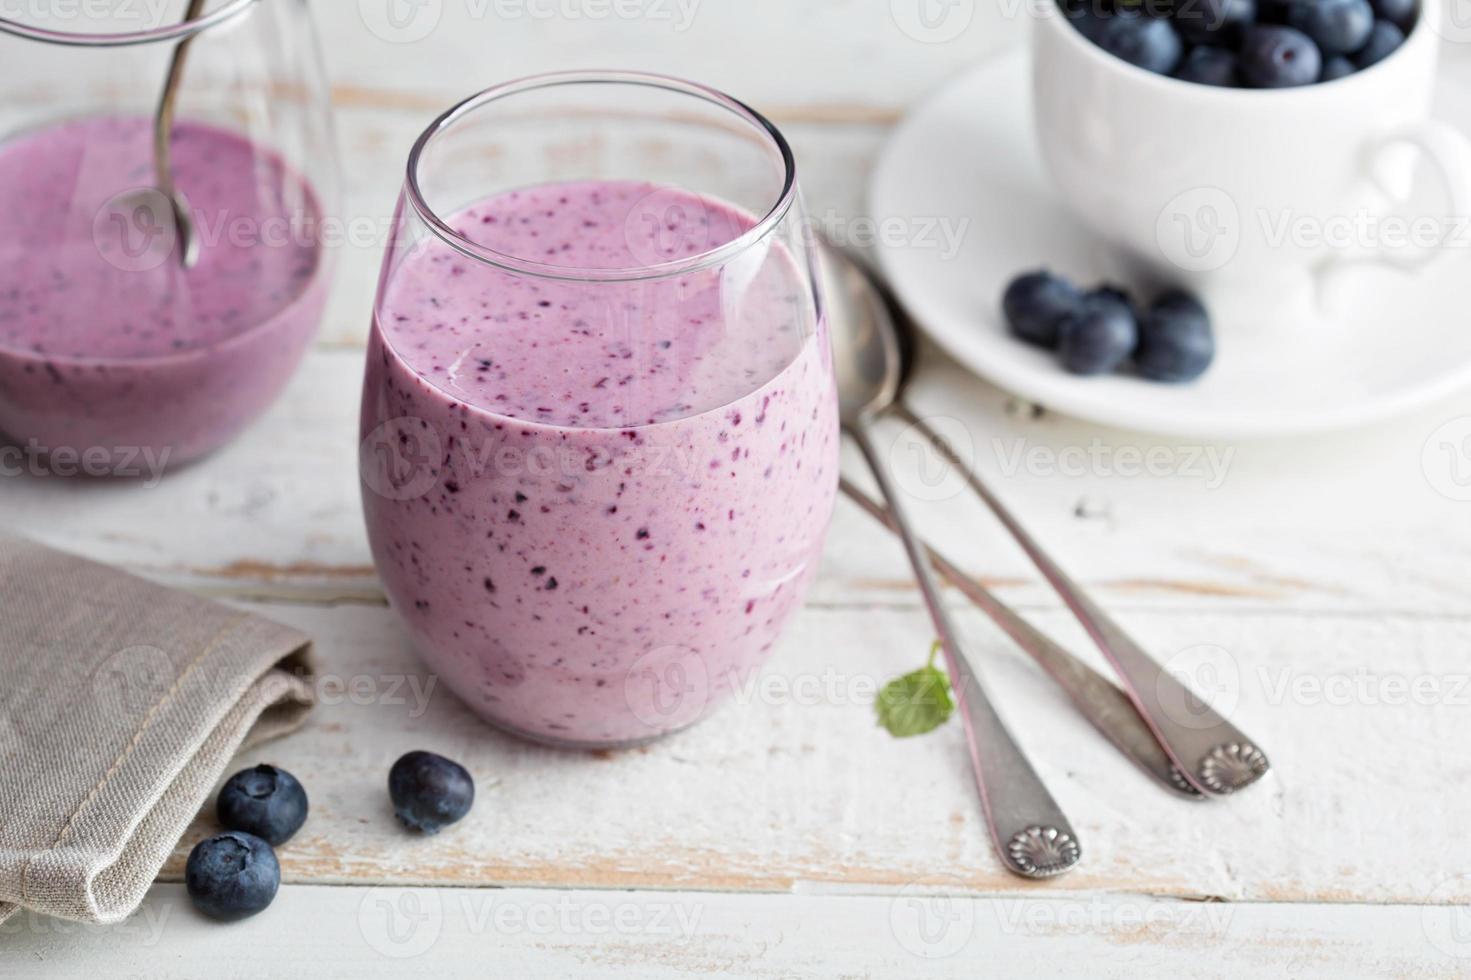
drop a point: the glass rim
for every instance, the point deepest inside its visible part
(661, 270)
(168, 32)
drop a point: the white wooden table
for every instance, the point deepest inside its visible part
(1317, 588)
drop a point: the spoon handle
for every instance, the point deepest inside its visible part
(163, 128)
(1032, 836)
(1206, 748)
(1108, 709)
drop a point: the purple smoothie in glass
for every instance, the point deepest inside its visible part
(106, 342)
(596, 504)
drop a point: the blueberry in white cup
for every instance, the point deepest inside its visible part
(1247, 43)
(1193, 177)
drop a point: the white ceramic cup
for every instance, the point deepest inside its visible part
(1254, 199)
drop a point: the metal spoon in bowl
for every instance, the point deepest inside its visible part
(1206, 749)
(163, 125)
(1030, 832)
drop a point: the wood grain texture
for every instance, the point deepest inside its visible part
(792, 786)
(771, 53)
(317, 932)
(1318, 588)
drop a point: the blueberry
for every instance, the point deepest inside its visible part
(1400, 13)
(1279, 57)
(1214, 21)
(1273, 11)
(232, 876)
(1101, 335)
(1179, 301)
(1109, 293)
(429, 791)
(264, 801)
(1148, 42)
(1336, 26)
(1175, 339)
(1383, 41)
(1036, 303)
(1087, 18)
(1207, 65)
(1337, 67)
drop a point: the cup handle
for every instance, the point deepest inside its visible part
(1449, 153)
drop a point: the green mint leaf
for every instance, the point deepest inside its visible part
(916, 703)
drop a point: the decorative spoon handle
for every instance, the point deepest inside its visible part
(1103, 704)
(1207, 749)
(163, 127)
(1032, 836)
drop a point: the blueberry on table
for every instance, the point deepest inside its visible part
(1279, 57)
(1175, 339)
(1109, 293)
(1180, 301)
(429, 791)
(1207, 65)
(1148, 42)
(1336, 26)
(1384, 40)
(232, 876)
(1035, 303)
(1218, 22)
(264, 801)
(1100, 336)
(1400, 13)
(1337, 67)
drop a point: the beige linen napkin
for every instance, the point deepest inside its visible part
(121, 702)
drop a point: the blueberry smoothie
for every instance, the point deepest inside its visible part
(107, 344)
(596, 504)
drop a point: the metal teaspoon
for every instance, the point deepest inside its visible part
(163, 125)
(1211, 753)
(1031, 835)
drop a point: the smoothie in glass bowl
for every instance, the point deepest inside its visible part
(596, 502)
(117, 356)
(109, 348)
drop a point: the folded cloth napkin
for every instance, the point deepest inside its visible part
(121, 702)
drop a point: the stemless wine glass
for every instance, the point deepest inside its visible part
(599, 418)
(116, 352)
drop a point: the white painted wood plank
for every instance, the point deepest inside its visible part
(313, 932)
(792, 786)
(1306, 566)
(772, 52)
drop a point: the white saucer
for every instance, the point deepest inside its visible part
(968, 153)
